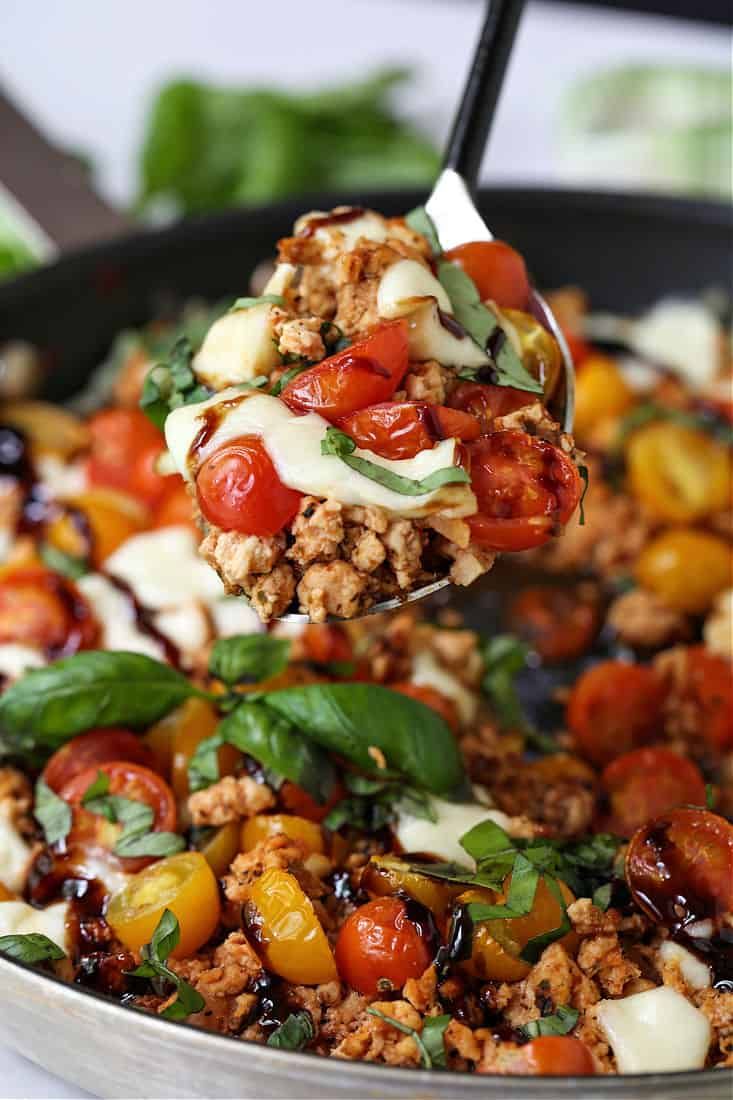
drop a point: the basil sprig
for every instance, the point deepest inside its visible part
(339, 444)
(52, 813)
(430, 1042)
(561, 1022)
(136, 819)
(374, 803)
(171, 383)
(31, 947)
(154, 955)
(248, 658)
(247, 303)
(294, 1034)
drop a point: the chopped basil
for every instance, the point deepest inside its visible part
(339, 444)
(375, 803)
(288, 376)
(710, 796)
(136, 819)
(33, 947)
(430, 1042)
(154, 955)
(533, 948)
(257, 383)
(583, 471)
(602, 896)
(65, 564)
(420, 222)
(520, 899)
(294, 1034)
(172, 383)
(248, 657)
(247, 303)
(52, 813)
(562, 1022)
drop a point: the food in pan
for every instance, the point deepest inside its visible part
(398, 840)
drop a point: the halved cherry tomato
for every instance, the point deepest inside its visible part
(189, 725)
(379, 944)
(707, 686)
(679, 867)
(183, 883)
(176, 507)
(497, 269)
(40, 608)
(539, 350)
(239, 489)
(487, 402)
(221, 847)
(131, 781)
(389, 875)
(614, 707)
(297, 801)
(558, 623)
(402, 429)
(122, 443)
(98, 746)
(556, 1056)
(526, 490)
(646, 783)
(431, 697)
(262, 826)
(664, 567)
(366, 373)
(679, 473)
(281, 920)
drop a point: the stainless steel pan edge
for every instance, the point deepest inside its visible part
(92, 1042)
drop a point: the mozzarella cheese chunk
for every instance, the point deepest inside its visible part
(14, 856)
(15, 660)
(238, 347)
(428, 338)
(19, 919)
(342, 236)
(232, 616)
(187, 626)
(280, 279)
(427, 672)
(294, 445)
(163, 567)
(657, 1031)
(61, 479)
(441, 837)
(693, 970)
(682, 335)
(116, 616)
(407, 284)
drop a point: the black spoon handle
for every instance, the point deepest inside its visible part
(475, 114)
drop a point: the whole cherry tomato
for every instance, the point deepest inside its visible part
(364, 374)
(556, 622)
(497, 269)
(40, 608)
(647, 782)
(239, 489)
(379, 947)
(663, 566)
(708, 688)
(679, 867)
(95, 747)
(556, 1056)
(124, 445)
(431, 697)
(487, 402)
(526, 490)
(614, 707)
(402, 429)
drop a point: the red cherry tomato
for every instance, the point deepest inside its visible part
(130, 781)
(646, 783)
(557, 1056)
(295, 800)
(679, 867)
(487, 402)
(431, 697)
(379, 944)
(123, 444)
(325, 643)
(176, 507)
(402, 429)
(40, 608)
(145, 482)
(709, 688)
(526, 489)
(497, 269)
(92, 749)
(614, 707)
(557, 622)
(239, 490)
(366, 373)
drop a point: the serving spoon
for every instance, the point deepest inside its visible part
(456, 219)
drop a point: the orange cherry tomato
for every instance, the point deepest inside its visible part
(431, 697)
(526, 490)
(646, 783)
(614, 707)
(188, 726)
(326, 643)
(130, 781)
(679, 867)
(556, 622)
(221, 847)
(282, 922)
(297, 801)
(364, 374)
(176, 507)
(708, 687)
(262, 826)
(40, 608)
(402, 429)
(556, 1056)
(497, 269)
(123, 441)
(487, 402)
(239, 489)
(388, 875)
(96, 522)
(95, 747)
(183, 883)
(380, 944)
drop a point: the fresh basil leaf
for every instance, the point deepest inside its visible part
(487, 840)
(602, 896)
(339, 444)
(435, 1036)
(172, 383)
(64, 564)
(203, 767)
(433, 1039)
(250, 657)
(96, 789)
(420, 222)
(257, 383)
(187, 1003)
(351, 719)
(710, 796)
(504, 656)
(583, 471)
(563, 1022)
(149, 844)
(520, 899)
(247, 303)
(52, 813)
(136, 818)
(166, 937)
(533, 948)
(33, 947)
(49, 706)
(294, 1034)
(416, 804)
(154, 955)
(287, 377)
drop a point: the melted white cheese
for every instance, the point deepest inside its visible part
(19, 919)
(657, 1031)
(238, 347)
(116, 616)
(441, 837)
(15, 660)
(693, 970)
(294, 445)
(682, 335)
(342, 236)
(426, 671)
(187, 626)
(232, 616)
(280, 279)
(14, 856)
(61, 479)
(163, 567)
(405, 285)
(429, 339)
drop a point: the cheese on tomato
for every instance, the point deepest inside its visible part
(341, 236)
(14, 856)
(429, 338)
(294, 445)
(19, 919)
(657, 1031)
(694, 971)
(441, 837)
(405, 285)
(238, 347)
(115, 614)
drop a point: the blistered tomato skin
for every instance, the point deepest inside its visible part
(647, 782)
(239, 490)
(398, 430)
(614, 707)
(497, 269)
(282, 924)
(380, 948)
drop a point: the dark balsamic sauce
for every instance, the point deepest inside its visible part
(211, 418)
(451, 325)
(272, 1008)
(340, 218)
(459, 941)
(144, 619)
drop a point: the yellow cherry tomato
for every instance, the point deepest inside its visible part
(50, 429)
(680, 474)
(96, 523)
(183, 883)
(386, 875)
(221, 848)
(601, 394)
(498, 944)
(288, 934)
(686, 568)
(262, 826)
(191, 724)
(540, 350)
